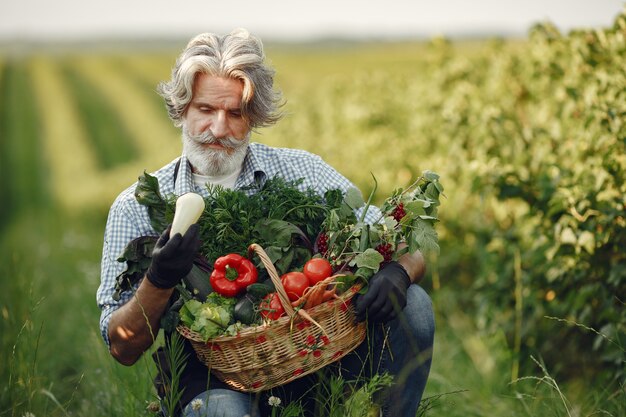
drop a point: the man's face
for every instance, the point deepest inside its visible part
(215, 134)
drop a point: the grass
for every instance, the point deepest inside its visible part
(57, 361)
(471, 376)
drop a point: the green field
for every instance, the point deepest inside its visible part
(529, 138)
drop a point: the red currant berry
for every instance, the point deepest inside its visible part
(322, 243)
(399, 212)
(385, 250)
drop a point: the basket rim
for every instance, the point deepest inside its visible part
(248, 331)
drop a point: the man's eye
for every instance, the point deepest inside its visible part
(235, 113)
(206, 109)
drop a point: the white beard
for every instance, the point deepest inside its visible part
(214, 162)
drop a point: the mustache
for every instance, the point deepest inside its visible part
(207, 138)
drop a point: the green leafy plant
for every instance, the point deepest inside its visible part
(407, 224)
(559, 230)
(177, 359)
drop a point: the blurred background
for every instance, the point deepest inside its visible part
(519, 106)
(296, 21)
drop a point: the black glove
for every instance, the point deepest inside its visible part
(386, 295)
(172, 258)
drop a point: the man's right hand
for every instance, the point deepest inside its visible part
(172, 258)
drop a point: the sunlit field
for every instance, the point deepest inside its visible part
(528, 136)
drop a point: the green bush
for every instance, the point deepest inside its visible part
(556, 155)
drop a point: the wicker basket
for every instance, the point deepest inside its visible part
(262, 357)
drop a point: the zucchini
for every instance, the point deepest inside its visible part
(197, 282)
(245, 310)
(259, 290)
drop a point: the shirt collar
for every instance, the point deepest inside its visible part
(254, 171)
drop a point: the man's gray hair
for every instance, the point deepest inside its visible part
(237, 55)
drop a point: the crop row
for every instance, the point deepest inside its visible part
(77, 129)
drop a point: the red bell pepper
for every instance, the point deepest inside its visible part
(231, 274)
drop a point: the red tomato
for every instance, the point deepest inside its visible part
(317, 269)
(270, 307)
(295, 283)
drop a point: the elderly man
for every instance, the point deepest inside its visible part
(221, 89)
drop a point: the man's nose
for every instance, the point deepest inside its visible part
(219, 127)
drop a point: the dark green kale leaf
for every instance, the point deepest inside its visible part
(137, 255)
(147, 193)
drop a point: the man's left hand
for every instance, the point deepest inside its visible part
(386, 295)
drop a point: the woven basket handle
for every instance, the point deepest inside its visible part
(282, 294)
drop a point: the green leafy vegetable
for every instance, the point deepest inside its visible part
(370, 258)
(276, 215)
(137, 255)
(211, 318)
(354, 198)
(147, 193)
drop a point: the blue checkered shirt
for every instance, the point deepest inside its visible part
(128, 219)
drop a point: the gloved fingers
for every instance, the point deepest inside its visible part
(392, 316)
(380, 303)
(193, 231)
(165, 236)
(388, 312)
(191, 240)
(386, 307)
(172, 245)
(361, 306)
(395, 304)
(377, 305)
(383, 314)
(359, 312)
(363, 301)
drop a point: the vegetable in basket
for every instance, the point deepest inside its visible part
(271, 307)
(232, 274)
(317, 269)
(210, 318)
(246, 310)
(295, 284)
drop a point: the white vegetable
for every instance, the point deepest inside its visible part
(189, 207)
